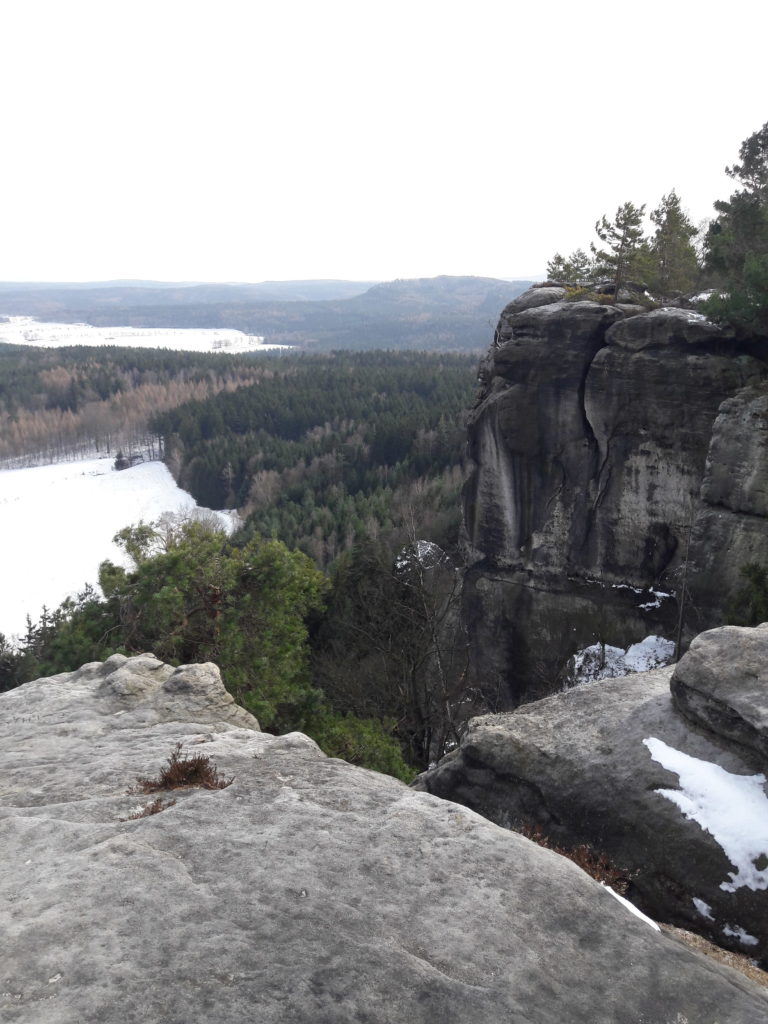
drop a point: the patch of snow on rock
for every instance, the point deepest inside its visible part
(630, 907)
(653, 652)
(732, 808)
(657, 597)
(598, 662)
(422, 553)
(703, 908)
(738, 933)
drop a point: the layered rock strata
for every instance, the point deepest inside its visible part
(670, 788)
(614, 451)
(722, 685)
(307, 890)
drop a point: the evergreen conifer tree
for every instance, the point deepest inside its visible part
(623, 238)
(577, 269)
(674, 266)
(737, 241)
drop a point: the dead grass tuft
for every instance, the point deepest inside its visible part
(595, 864)
(738, 961)
(183, 772)
(154, 808)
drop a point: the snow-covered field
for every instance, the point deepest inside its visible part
(25, 330)
(57, 524)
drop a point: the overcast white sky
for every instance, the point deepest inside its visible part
(279, 139)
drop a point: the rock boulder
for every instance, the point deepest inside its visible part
(613, 764)
(722, 684)
(307, 890)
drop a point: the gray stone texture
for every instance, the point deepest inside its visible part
(601, 440)
(537, 296)
(575, 765)
(307, 891)
(722, 684)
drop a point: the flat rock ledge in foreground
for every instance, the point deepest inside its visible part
(306, 891)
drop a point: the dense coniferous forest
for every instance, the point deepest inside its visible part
(57, 402)
(335, 608)
(327, 450)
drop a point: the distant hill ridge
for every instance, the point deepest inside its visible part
(446, 312)
(28, 295)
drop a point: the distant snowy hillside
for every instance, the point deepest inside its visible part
(57, 524)
(24, 330)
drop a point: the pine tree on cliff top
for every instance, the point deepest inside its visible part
(674, 266)
(577, 269)
(624, 241)
(737, 241)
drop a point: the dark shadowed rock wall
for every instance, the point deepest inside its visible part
(611, 447)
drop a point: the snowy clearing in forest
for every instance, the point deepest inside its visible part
(57, 524)
(25, 330)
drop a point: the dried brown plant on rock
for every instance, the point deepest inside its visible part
(154, 808)
(183, 772)
(738, 961)
(595, 864)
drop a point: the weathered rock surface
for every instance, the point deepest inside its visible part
(306, 891)
(540, 296)
(577, 765)
(736, 476)
(661, 328)
(722, 684)
(610, 448)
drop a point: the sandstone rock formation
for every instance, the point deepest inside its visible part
(722, 685)
(307, 890)
(612, 450)
(677, 801)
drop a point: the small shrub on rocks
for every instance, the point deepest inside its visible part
(182, 772)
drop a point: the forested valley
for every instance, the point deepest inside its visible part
(327, 450)
(334, 609)
(56, 404)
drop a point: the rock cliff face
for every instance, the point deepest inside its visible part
(611, 447)
(307, 890)
(669, 784)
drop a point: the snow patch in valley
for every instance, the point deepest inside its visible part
(25, 330)
(57, 523)
(732, 808)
